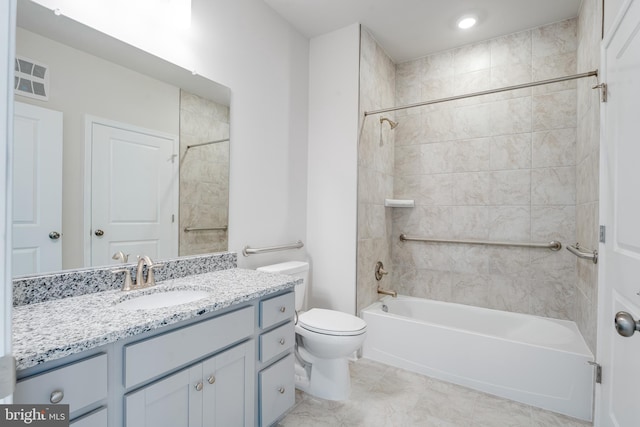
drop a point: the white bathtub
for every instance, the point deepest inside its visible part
(534, 360)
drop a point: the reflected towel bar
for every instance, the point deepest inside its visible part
(584, 254)
(554, 245)
(188, 229)
(252, 251)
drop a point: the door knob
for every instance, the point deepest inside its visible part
(99, 233)
(625, 324)
(54, 235)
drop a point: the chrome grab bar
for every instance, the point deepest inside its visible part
(188, 229)
(253, 251)
(577, 251)
(553, 245)
(206, 143)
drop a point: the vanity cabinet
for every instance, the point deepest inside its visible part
(276, 385)
(232, 367)
(216, 392)
(81, 385)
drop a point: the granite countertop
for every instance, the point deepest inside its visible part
(53, 329)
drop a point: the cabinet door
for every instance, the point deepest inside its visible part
(172, 402)
(228, 398)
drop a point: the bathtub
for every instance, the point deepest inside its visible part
(538, 361)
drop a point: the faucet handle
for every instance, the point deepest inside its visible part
(151, 279)
(128, 284)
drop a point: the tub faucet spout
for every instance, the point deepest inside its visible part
(386, 292)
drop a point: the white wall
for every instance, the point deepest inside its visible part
(7, 37)
(332, 168)
(245, 45)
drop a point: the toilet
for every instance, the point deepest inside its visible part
(324, 341)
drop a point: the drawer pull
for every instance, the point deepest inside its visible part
(199, 386)
(282, 341)
(283, 309)
(211, 379)
(281, 390)
(56, 396)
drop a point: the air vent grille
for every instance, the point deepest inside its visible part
(32, 79)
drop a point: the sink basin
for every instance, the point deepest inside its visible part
(162, 299)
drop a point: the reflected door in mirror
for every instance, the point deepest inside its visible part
(134, 192)
(37, 190)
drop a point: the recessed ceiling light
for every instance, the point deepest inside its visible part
(466, 22)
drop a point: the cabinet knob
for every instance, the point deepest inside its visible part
(282, 341)
(199, 386)
(281, 390)
(211, 379)
(56, 396)
(283, 309)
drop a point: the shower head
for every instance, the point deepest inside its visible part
(391, 122)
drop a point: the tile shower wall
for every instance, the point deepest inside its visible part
(204, 174)
(375, 168)
(587, 167)
(498, 167)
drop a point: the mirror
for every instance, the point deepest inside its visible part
(113, 94)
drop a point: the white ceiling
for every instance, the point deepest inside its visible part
(409, 29)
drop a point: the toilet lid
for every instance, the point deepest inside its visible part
(331, 322)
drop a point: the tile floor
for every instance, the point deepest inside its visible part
(385, 396)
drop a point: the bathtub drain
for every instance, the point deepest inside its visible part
(385, 308)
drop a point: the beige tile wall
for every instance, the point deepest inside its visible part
(518, 166)
(498, 167)
(375, 167)
(204, 174)
(587, 167)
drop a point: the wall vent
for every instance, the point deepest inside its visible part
(31, 79)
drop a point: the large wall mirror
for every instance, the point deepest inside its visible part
(115, 150)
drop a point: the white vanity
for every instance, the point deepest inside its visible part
(224, 360)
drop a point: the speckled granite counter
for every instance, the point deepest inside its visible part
(50, 330)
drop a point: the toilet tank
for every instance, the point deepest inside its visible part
(296, 269)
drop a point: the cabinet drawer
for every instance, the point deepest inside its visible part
(81, 384)
(277, 390)
(277, 341)
(95, 419)
(155, 356)
(277, 309)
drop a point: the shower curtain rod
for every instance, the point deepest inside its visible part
(206, 143)
(486, 92)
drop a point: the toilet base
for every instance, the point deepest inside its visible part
(328, 379)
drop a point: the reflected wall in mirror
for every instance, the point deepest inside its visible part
(130, 90)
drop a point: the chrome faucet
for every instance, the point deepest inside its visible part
(151, 280)
(121, 256)
(140, 282)
(386, 292)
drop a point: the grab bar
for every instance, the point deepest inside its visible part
(253, 251)
(577, 251)
(188, 229)
(553, 245)
(206, 143)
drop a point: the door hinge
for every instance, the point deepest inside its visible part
(603, 91)
(173, 218)
(7, 375)
(598, 372)
(603, 234)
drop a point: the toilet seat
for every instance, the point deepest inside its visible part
(331, 322)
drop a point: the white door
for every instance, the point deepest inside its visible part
(134, 193)
(37, 190)
(617, 403)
